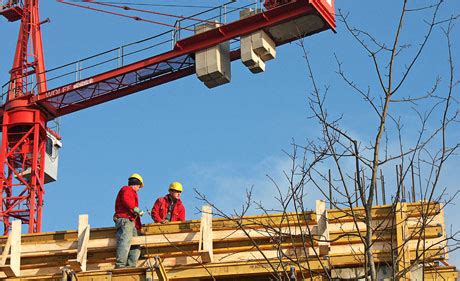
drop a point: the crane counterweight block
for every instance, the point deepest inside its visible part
(212, 65)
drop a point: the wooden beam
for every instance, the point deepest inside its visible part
(79, 264)
(14, 268)
(5, 251)
(160, 270)
(235, 269)
(205, 246)
(414, 210)
(402, 245)
(322, 227)
(442, 223)
(441, 273)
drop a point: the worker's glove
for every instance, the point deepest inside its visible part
(138, 211)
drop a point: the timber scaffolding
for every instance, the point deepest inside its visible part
(248, 248)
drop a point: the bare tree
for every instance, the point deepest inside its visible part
(349, 171)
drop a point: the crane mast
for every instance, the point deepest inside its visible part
(24, 126)
(30, 105)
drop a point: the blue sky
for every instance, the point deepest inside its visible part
(219, 141)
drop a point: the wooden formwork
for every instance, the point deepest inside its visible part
(250, 247)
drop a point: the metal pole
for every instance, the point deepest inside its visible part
(76, 71)
(120, 56)
(220, 14)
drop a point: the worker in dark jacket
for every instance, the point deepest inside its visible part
(127, 220)
(169, 207)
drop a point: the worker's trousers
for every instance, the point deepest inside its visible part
(127, 255)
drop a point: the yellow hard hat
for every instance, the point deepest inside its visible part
(175, 186)
(137, 176)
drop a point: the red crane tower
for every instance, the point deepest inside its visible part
(29, 105)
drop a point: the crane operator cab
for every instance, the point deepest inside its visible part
(11, 9)
(51, 157)
(53, 144)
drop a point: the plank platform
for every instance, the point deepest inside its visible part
(224, 248)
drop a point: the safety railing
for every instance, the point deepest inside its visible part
(132, 52)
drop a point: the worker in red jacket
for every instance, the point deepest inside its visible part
(127, 220)
(169, 207)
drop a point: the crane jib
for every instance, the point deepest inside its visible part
(77, 95)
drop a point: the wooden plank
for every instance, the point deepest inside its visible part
(441, 273)
(177, 272)
(353, 249)
(442, 223)
(106, 244)
(15, 258)
(83, 250)
(184, 261)
(6, 251)
(322, 227)
(14, 268)
(348, 237)
(402, 247)
(382, 212)
(205, 246)
(160, 270)
(346, 259)
(79, 264)
(67, 239)
(341, 227)
(83, 239)
(358, 259)
(234, 269)
(151, 239)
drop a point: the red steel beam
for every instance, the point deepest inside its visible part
(125, 91)
(135, 88)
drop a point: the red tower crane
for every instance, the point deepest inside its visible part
(29, 105)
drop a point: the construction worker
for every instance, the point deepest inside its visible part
(127, 220)
(170, 207)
